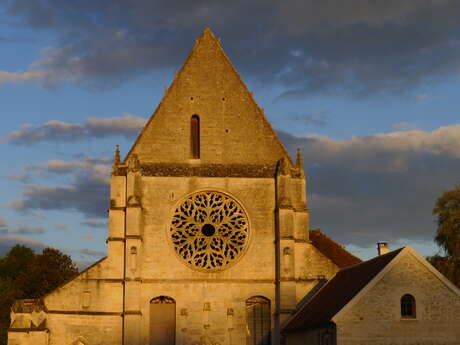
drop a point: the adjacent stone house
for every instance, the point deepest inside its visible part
(394, 299)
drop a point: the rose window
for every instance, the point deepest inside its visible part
(209, 230)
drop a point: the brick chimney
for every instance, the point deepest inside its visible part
(382, 248)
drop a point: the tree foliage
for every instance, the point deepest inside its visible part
(448, 266)
(447, 212)
(24, 274)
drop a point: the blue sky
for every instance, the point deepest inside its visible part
(368, 90)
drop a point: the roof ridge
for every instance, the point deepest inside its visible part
(376, 258)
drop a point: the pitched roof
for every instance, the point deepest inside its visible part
(338, 291)
(234, 129)
(332, 250)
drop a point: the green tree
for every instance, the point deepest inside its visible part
(15, 261)
(447, 212)
(45, 273)
(447, 265)
(24, 274)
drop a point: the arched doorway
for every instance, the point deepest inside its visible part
(162, 321)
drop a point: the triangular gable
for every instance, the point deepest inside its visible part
(233, 128)
(407, 250)
(338, 292)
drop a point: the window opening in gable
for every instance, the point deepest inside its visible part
(195, 136)
(408, 310)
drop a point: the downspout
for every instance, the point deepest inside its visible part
(277, 258)
(124, 264)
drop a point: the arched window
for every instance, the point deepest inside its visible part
(162, 321)
(258, 321)
(408, 309)
(195, 136)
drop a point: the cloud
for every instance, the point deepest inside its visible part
(57, 131)
(422, 98)
(7, 242)
(128, 125)
(309, 46)
(98, 167)
(17, 177)
(23, 230)
(94, 223)
(60, 227)
(83, 264)
(90, 252)
(379, 187)
(316, 118)
(404, 126)
(15, 77)
(87, 192)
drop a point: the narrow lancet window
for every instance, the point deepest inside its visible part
(195, 136)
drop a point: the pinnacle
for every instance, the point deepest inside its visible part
(207, 32)
(208, 36)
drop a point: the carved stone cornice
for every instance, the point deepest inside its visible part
(209, 170)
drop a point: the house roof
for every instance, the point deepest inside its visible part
(338, 291)
(332, 250)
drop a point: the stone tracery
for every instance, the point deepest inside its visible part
(209, 230)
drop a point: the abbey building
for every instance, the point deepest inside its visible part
(208, 239)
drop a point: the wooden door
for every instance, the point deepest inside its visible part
(162, 321)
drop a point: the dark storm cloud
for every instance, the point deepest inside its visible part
(361, 46)
(58, 131)
(380, 187)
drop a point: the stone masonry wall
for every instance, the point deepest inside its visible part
(376, 318)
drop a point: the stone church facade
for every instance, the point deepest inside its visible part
(208, 239)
